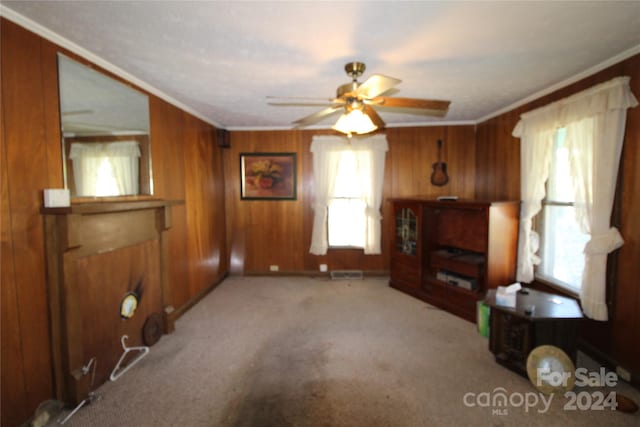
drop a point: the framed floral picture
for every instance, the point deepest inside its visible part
(268, 176)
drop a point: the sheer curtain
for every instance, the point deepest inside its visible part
(536, 142)
(370, 154)
(86, 158)
(326, 156)
(89, 160)
(124, 158)
(594, 120)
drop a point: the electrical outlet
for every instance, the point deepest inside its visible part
(274, 268)
(623, 373)
(324, 268)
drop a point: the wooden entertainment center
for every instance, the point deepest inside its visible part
(449, 253)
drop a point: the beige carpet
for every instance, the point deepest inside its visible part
(263, 351)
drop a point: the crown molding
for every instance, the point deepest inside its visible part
(56, 38)
(73, 47)
(325, 127)
(566, 82)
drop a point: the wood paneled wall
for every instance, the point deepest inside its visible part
(187, 166)
(264, 233)
(498, 176)
(214, 227)
(26, 170)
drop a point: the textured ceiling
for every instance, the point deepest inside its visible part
(222, 59)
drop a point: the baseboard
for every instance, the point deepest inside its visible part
(308, 273)
(606, 360)
(177, 313)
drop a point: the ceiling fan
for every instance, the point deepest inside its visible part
(358, 103)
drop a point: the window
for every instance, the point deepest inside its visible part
(106, 182)
(346, 221)
(105, 169)
(348, 176)
(594, 123)
(561, 240)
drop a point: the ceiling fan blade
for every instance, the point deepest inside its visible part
(301, 104)
(437, 107)
(303, 98)
(374, 116)
(299, 101)
(316, 117)
(376, 85)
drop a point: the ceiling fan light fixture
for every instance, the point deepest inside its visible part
(355, 121)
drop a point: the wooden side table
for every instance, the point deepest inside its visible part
(514, 332)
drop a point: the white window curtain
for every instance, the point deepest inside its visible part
(594, 120)
(370, 154)
(88, 160)
(124, 158)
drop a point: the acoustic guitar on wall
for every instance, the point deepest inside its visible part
(439, 175)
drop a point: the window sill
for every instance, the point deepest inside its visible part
(353, 248)
(556, 288)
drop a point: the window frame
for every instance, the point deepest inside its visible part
(538, 225)
(343, 195)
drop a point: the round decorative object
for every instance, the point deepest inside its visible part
(153, 329)
(128, 305)
(550, 370)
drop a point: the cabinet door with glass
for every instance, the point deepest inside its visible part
(406, 230)
(406, 245)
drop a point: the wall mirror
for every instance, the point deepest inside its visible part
(105, 134)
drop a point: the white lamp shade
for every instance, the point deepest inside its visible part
(355, 122)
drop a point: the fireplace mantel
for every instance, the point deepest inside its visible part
(97, 253)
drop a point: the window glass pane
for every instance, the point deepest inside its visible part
(560, 185)
(106, 183)
(346, 222)
(347, 181)
(562, 247)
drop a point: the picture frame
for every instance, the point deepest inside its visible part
(268, 176)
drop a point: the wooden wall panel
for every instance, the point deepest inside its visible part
(51, 109)
(626, 323)
(167, 149)
(498, 176)
(25, 160)
(204, 206)
(498, 159)
(279, 232)
(167, 154)
(12, 369)
(31, 160)
(269, 232)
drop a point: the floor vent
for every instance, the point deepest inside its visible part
(346, 274)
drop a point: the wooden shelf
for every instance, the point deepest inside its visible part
(472, 293)
(464, 263)
(472, 241)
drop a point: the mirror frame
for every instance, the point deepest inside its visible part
(145, 169)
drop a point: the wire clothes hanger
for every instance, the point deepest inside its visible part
(119, 371)
(91, 397)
